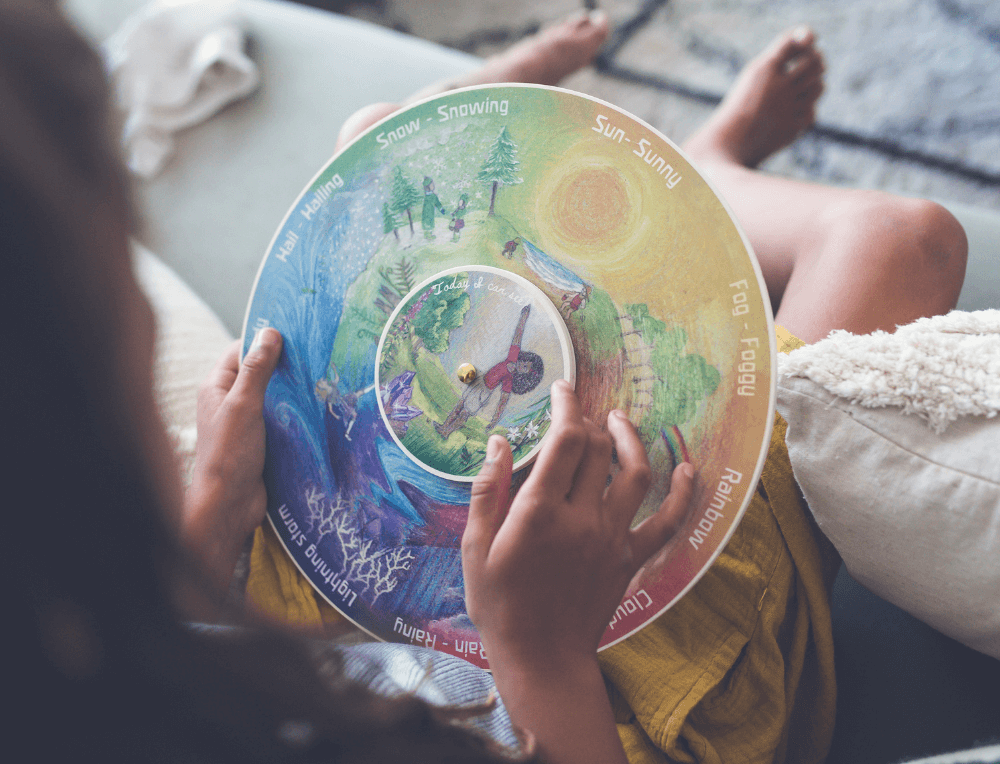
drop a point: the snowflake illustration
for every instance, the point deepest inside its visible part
(513, 433)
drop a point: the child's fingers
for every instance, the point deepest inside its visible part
(488, 503)
(224, 373)
(657, 530)
(592, 472)
(632, 482)
(257, 367)
(565, 441)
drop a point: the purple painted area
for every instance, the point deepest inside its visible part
(396, 400)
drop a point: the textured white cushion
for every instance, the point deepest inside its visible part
(190, 339)
(915, 513)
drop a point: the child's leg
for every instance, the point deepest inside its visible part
(832, 258)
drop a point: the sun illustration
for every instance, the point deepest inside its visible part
(592, 205)
(595, 206)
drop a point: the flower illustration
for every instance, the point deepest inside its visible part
(531, 431)
(513, 433)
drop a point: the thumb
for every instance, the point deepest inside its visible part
(258, 365)
(488, 502)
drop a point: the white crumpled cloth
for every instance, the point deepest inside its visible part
(174, 64)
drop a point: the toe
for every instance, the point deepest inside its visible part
(791, 44)
(582, 24)
(599, 21)
(591, 28)
(805, 116)
(802, 36)
(806, 67)
(813, 91)
(809, 92)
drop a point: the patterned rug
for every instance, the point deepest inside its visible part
(912, 103)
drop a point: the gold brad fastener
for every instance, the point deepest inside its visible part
(467, 373)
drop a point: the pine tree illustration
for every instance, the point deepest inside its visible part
(500, 166)
(403, 196)
(389, 222)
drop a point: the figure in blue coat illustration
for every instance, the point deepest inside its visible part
(432, 205)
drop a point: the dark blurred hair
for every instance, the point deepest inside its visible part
(100, 665)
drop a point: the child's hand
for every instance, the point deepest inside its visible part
(227, 498)
(543, 579)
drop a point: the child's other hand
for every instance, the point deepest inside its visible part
(227, 498)
(544, 577)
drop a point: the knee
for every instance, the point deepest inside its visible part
(936, 238)
(917, 240)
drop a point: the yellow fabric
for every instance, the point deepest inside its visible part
(740, 670)
(277, 589)
(787, 342)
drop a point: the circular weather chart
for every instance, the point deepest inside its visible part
(435, 278)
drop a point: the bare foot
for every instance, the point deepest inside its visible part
(772, 102)
(543, 59)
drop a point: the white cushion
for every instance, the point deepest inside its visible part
(914, 513)
(190, 339)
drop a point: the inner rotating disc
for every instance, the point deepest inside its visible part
(471, 352)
